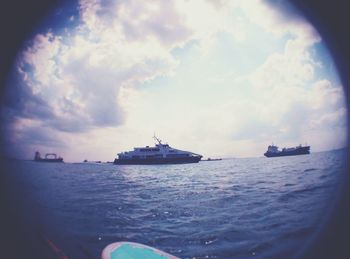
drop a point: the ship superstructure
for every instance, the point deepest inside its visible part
(49, 157)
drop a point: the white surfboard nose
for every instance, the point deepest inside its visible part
(131, 250)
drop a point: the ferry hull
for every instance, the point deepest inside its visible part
(302, 151)
(158, 161)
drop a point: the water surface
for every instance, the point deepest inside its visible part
(242, 208)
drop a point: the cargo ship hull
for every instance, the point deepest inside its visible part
(52, 160)
(297, 151)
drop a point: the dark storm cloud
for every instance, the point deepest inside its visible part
(15, 140)
(20, 101)
(40, 136)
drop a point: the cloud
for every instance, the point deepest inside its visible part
(280, 17)
(77, 77)
(22, 137)
(135, 21)
(87, 78)
(326, 95)
(72, 81)
(22, 101)
(294, 114)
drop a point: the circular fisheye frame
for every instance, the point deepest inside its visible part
(179, 129)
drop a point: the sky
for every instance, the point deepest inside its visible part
(219, 78)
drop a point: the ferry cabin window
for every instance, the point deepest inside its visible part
(153, 156)
(149, 149)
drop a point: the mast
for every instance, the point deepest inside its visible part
(157, 139)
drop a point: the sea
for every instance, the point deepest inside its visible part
(233, 208)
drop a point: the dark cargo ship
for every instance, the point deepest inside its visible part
(159, 154)
(272, 151)
(50, 157)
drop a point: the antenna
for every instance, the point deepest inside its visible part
(157, 139)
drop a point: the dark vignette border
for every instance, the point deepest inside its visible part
(18, 18)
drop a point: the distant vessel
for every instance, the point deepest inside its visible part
(272, 151)
(49, 157)
(159, 154)
(212, 159)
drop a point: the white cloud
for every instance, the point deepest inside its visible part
(80, 76)
(92, 79)
(279, 19)
(326, 95)
(42, 57)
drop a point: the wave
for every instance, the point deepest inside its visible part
(299, 192)
(310, 169)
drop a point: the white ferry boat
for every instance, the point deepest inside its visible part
(159, 154)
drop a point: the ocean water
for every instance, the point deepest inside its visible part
(234, 208)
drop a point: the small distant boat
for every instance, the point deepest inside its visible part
(159, 154)
(49, 157)
(92, 162)
(272, 151)
(212, 159)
